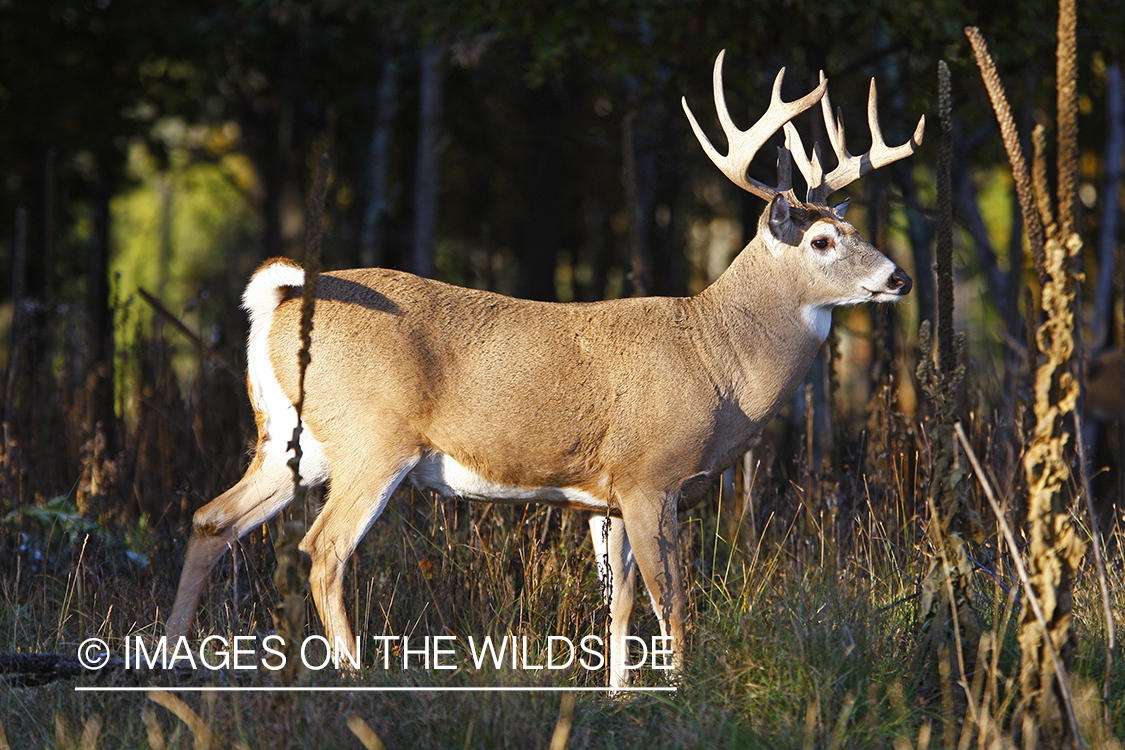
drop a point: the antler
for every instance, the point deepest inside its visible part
(850, 168)
(744, 144)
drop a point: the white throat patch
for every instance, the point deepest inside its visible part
(818, 319)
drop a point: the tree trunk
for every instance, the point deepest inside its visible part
(921, 235)
(638, 205)
(17, 397)
(968, 209)
(1110, 223)
(541, 228)
(428, 175)
(101, 416)
(373, 234)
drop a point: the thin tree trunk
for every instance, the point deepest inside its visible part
(274, 171)
(17, 353)
(19, 396)
(921, 235)
(542, 227)
(164, 191)
(373, 234)
(50, 209)
(1108, 231)
(102, 410)
(968, 209)
(636, 198)
(427, 174)
(101, 417)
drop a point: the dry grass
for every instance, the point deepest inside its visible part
(803, 635)
(803, 603)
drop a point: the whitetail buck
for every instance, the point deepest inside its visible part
(627, 408)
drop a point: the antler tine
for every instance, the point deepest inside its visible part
(744, 144)
(720, 97)
(810, 169)
(818, 191)
(850, 168)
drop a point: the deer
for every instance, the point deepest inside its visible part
(625, 408)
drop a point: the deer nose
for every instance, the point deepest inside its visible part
(899, 282)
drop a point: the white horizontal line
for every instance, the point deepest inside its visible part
(368, 689)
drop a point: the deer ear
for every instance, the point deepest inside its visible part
(841, 208)
(779, 215)
(779, 223)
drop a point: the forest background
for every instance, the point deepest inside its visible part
(155, 152)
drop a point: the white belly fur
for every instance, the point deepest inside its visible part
(439, 472)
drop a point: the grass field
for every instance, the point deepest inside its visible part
(804, 604)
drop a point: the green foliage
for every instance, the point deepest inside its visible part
(56, 526)
(183, 225)
(55, 521)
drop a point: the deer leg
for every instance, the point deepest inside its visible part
(654, 535)
(356, 498)
(621, 578)
(265, 489)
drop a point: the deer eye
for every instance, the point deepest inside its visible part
(822, 243)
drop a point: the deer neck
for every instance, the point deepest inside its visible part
(768, 331)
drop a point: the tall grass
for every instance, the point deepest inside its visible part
(803, 632)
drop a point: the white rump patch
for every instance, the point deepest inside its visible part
(261, 298)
